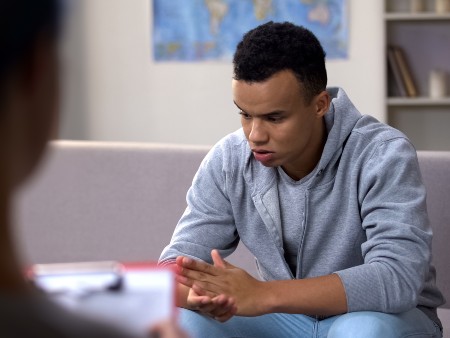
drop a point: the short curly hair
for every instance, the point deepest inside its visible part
(273, 47)
(21, 22)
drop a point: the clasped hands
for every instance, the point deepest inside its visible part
(219, 290)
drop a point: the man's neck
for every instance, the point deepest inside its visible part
(312, 157)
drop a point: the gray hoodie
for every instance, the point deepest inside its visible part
(365, 214)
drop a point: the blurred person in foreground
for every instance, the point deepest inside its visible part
(329, 201)
(29, 92)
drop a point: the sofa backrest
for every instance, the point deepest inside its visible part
(121, 201)
(435, 168)
(103, 200)
(107, 201)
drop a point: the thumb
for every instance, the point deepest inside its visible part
(218, 261)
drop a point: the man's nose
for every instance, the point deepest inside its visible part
(258, 133)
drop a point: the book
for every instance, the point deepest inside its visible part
(395, 71)
(405, 71)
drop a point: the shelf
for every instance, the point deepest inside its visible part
(417, 101)
(406, 16)
(424, 37)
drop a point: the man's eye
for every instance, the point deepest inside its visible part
(274, 118)
(244, 115)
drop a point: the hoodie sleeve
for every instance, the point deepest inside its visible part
(397, 251)
(207, 222)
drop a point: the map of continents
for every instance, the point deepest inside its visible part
(195, 30)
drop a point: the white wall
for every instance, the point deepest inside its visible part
(125, 96)
(363, 74)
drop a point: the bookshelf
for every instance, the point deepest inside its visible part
(424, 38)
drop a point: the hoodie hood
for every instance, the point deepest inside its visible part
(339, 127)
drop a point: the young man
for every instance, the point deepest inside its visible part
(29, 86)
(330, 203)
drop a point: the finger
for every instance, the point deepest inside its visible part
(211, 288)
(192, 276)
(197, 302)
(207, 308)
(225, 308)
(227, 315)
(200, 283)
(200, 291)
(223, 304)
(217, 260)
(223, 300)
(184, 280)
(214, 309)
(178, 260)
(192, 264)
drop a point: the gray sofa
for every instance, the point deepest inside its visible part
(121, 201)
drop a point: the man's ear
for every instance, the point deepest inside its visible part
(322, 103)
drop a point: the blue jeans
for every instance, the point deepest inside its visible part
(366, 324)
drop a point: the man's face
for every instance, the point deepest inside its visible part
(281, 129)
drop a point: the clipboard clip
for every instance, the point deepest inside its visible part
(79, 279)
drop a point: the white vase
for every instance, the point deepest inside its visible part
(438, 84)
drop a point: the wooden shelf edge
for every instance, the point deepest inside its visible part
(406, 16)
(417, 101)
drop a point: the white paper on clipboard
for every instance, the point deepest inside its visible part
(133, 297)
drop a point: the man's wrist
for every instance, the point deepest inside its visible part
(266, 300)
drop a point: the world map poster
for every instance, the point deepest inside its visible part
(197, 30)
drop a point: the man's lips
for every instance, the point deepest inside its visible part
(261, 151)
(262, 155)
